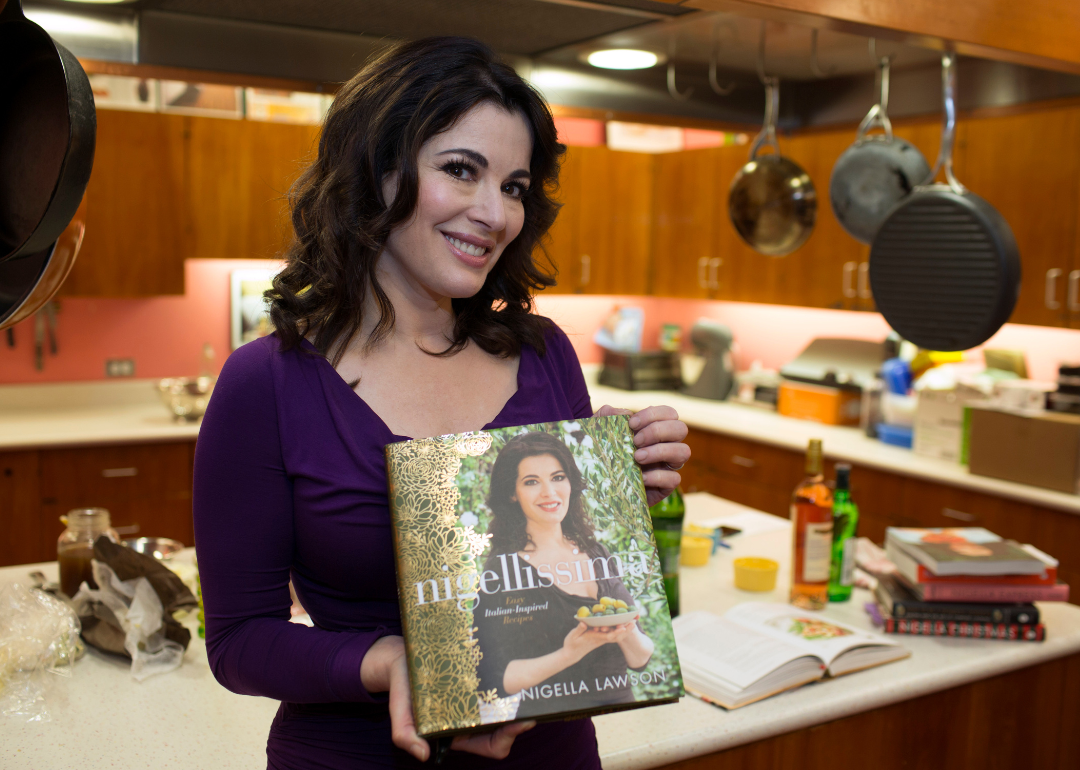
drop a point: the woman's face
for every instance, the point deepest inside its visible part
(472, 179)
(542, 490)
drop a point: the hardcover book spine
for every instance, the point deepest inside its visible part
(1048, 578)
(1021, 614)
(1007, 631)
(1003, 594)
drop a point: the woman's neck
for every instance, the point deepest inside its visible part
(419, 317)
(546, 538)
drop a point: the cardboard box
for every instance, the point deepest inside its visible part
(832, 406)
(1039, 449)
(939, 422)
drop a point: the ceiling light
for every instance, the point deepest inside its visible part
(623, 59)
(102, 2)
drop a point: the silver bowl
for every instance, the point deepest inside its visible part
(186, 397)
(159, 547)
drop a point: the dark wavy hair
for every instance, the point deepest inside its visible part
(376, 126)
(507, 529)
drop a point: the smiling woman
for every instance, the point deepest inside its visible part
(404, 310)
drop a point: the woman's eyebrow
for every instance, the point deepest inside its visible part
(482, 162)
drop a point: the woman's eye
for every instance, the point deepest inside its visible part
(530, 482)
(559, 477)
(515, 189)
(459, 169)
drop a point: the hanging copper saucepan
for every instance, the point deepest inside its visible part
(876, 172)
(772, 201)
(944, 266)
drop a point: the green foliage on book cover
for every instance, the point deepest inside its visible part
(438, 499)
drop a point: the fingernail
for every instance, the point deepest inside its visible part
(635, 421)
(641, 455)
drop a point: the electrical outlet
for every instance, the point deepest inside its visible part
(119, 367)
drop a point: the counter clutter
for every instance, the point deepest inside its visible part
(185, 719)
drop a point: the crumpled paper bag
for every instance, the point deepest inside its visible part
(130, 613)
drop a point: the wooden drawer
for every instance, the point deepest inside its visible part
(737, 458)
(20, 521)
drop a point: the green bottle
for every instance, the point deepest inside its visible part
(845, 522)
(667, 520)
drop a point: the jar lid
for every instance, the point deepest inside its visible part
(87, 518)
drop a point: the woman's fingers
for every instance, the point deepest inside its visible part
(670, 455)
(608, 411)
(494, 744)
(651, 414)
(402, 727)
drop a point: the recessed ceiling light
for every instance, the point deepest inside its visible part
(622, 59)
(102, 2)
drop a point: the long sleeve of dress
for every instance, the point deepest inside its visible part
(243, 508)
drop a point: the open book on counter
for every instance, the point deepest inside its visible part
(759, 649)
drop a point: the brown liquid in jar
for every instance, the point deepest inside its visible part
(75, 567)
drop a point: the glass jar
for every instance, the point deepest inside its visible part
(75, 546)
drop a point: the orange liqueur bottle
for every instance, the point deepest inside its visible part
(812, 524)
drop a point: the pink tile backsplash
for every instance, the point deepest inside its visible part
(165, 335)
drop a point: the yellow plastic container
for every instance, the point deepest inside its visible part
(695, 550)
(753, 573)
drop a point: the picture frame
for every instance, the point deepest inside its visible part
(248, 309)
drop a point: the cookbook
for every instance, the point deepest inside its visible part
(758, 649)
(962, 551)
(528, 576)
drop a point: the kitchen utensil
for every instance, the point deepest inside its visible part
(186, 397)
(772, 202)
(47, 134)
(27, 283)
(712, 340)
(695, 550)
(160, 548)
(876, 172)
(944, 266)
(754, 573)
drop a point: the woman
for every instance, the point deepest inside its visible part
(403, 311)
(538, 514)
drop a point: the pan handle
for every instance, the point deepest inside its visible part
(879, 115)
(768, 130)
(948, 128)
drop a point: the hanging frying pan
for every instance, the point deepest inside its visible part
(47, 131)
(944, 266)
(876, 172)
(772, 201)
(27, 283)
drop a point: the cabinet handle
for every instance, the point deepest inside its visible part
(586, 269)
(1074, 291)
(864, 281)
(702, 266)
(958, 515)
(1051, 288)
(745, 462)
(845, 284)
(115, 473)
(714, 272)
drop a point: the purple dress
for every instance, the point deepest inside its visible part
(290, 482)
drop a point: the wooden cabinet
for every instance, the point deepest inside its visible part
(145, 487)
(685, 259)
(168, 187)
(763, 477)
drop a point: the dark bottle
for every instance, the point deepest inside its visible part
(845, 522)
(667, 520)
(812, 525)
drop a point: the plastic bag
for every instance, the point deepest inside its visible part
(39, 635)
(133, 607)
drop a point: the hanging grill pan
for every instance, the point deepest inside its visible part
(876, 172)
(772, 201)
(944, 266)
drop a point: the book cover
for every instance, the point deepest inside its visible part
(898, 602)
(528, 576)
(981, 592)
(1013, 632)
(964, 551)
(916, 573)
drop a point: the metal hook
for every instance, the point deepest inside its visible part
(814, 66)
(761, 56)
(878, 60)
(713, 83)
(672, 89)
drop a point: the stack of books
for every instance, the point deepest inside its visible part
(966, 582)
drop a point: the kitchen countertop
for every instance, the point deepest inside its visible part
(839, 443)
(185, 719)
(130, 411)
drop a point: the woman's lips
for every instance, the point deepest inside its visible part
(473, 255)
(550, 507)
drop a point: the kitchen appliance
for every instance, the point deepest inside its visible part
(836, 362)
(656, 370)
(772, 202)
(876, 172)
(944, 266)
(712, 340)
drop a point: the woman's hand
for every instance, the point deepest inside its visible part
(658, 434)
(384, 668)
(582, 640)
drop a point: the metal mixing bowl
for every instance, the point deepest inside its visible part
(158, 547)
(186, 397)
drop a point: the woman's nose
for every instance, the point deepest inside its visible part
(489, 208)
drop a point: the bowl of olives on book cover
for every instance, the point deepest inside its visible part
(606, 612)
